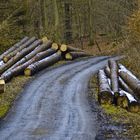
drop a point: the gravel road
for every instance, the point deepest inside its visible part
(55, 106)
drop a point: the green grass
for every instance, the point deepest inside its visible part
(13, 89)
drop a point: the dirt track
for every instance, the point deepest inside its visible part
(55, 106)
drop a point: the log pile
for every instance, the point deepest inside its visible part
(31, 55)
(121, 84)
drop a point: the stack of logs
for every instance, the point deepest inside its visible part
(117, 85)
(31, 55)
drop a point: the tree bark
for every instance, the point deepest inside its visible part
(40, 48)
(68, 21)
(20, 69)
(40, 65)
(74, 55)
(66, 48)
(14, 47)
(19, 56)
(122, 84)
(131, 81)
(114, 77)
(6, 58)
(105, 95)
(133, 104)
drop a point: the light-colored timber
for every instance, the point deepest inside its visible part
(7, 57)
(44, 63)
(14, 47)
(105, 95)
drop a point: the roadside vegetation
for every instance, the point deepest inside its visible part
(14, 88)
(130, 122)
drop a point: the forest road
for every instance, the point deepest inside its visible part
(55, 105)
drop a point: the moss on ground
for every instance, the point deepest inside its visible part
(13, 89)
(119, 115)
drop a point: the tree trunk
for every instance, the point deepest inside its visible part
(40, 48)
(105, 95)
(40, 65)
(114, 77)
(91, 39)
(20, 69)
(6, 58)
(133, 104)
(66, 48)
(19, 56)
(122, 84)
(68, 22)
(74, 55)
(14, 47)
(131, 81)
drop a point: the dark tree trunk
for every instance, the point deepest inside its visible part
(68, 22)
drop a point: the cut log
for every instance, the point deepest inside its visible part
(45, 39)
(66, 48)
(14, 47)
(2, 86)
(105, 95)
(133, 104)
(40, 65)
(7, 57)
(74, 55)
(114, 77)
(40, 48)
(122, 100)
(20, 69)
(122, 84)
(19, 56)
(130, 80)
(55, 46)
